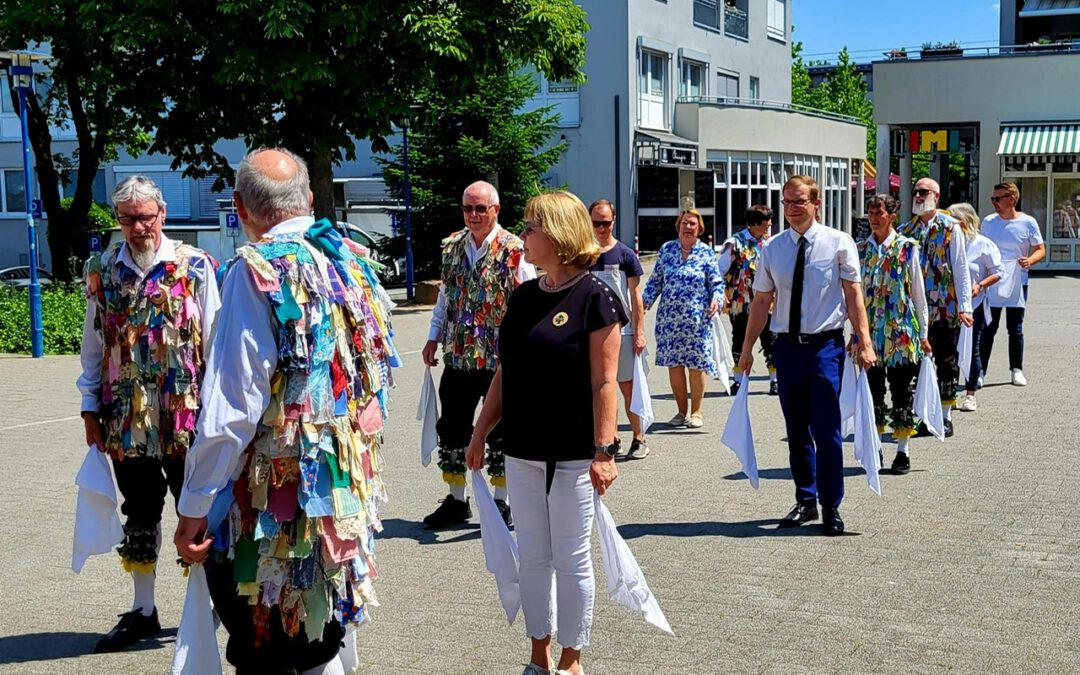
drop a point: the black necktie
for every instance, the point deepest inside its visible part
(795, 310)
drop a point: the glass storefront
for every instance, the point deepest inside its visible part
(1050, 193)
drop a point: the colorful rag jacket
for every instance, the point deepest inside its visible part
(301, 531)
(739, 279)
(476, 298)
(152, 350)
(894, 325)
(935, 239)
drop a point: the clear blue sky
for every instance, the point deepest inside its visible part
(870, 27)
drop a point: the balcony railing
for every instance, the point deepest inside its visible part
(736, 102)
(707, 13)
(1064, 47)
(736, 22)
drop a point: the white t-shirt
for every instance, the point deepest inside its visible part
(1015, 239)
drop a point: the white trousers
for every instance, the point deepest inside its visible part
(553, 536)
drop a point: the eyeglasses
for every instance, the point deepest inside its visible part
(480, 209)
(921, 192)
(532, 228)
(796, 202)
(998, 198)
(603, 223)
(142, 219)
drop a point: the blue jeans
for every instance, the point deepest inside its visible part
(808, 377)
(1014, 324)
(978, 326)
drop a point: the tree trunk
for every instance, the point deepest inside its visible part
(321, 172)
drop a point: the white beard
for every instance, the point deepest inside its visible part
(928, 205)
(144, 259)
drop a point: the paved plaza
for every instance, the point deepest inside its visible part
(969, 564)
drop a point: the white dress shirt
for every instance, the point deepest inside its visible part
(236, 387)
(984, 260)
(831, 257)
(93, 341)
(918, 285)
(525, 271)
(1015, 239)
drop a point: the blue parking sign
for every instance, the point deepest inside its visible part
(35, 208)
(96, 243)
(232, 221)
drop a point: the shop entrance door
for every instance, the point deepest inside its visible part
(1063, 245)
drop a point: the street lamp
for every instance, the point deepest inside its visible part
(409, 289)
(21, 71)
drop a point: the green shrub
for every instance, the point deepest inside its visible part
(99, 218)
(63, 309)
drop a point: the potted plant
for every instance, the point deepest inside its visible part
(1046, 44)
(941, 49)
(896, 54)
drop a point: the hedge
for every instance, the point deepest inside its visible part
(63, 310)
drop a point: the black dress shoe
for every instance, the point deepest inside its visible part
(901, 464)
(948, 429)
(504, 511)
(774, 388)
(133, 626)
(831, 524)
(922, 431)
(802, 513)
(452, 511)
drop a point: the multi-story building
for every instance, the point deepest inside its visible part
(982, 116)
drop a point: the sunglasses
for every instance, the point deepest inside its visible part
(480, 209)
(998, 198)
(921, 192)
(603, 223)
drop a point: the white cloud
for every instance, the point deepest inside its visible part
(996, 7)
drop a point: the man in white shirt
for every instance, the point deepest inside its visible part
(481, 266)
(812, 273)
(151, 305)
(1017, 236)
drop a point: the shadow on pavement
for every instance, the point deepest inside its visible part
(766, 527)
(398, 528)
(785, 474)
(61, 645)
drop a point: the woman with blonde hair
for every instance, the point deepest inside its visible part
(984, 263)
(558, 356)
(687, 281)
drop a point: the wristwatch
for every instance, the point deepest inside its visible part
(610, 449)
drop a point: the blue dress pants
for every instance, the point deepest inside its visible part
(808, 376)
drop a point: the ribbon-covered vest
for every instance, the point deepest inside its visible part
(894, 326)
(935, 239)
(739, 279)
(302, 527)
(476, 298)
(152, 350)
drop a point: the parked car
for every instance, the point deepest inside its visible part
(378, 245)
(19, 277)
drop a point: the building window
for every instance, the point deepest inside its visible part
(6, 105)
(97, 191)
(707, 13)
(727, 85)
(755, 88)
(737, 18)
(175, 189)
(652, 91)
(777, 21)
(561, 97)
(692, 82)
(14, 191)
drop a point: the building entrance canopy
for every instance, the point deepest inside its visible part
(1041, 140)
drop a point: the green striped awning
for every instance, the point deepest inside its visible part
(1045, 139)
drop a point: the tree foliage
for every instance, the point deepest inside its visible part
(480, 135)
(844, 92)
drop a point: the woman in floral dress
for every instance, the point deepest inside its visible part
(687, 281)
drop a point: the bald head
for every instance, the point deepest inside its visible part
(271, 186)
(482, 189)
(928, 184)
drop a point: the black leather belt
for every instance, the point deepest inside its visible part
(811, 338)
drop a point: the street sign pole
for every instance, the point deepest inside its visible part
(409, 291)
(23, 76)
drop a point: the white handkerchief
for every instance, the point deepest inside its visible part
(97, 524)
(867, 440)
(196, 639)
(848, 399)
(641, 399)
(428, 412)
(739, 434)
(500, 548)
(1009, 291)
(963, 349)
(625, 581)
(722, 355)
(928, 399)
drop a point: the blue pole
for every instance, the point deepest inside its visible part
(408, 217)
(37, 331)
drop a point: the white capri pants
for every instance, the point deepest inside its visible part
(554, 541)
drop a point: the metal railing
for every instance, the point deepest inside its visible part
(1032, 49)
(736, 22)
(736, 102)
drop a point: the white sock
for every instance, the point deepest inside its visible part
(901, 445)
(948, 413)
(144, 592)
(333, 667)
(500, 493)
(458, 491)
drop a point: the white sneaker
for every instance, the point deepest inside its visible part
(1018, 378)
(695, 421)
(969, 404)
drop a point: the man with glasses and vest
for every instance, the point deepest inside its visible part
(812, 273)
(481, 266)
(948, 286)
(151, 305)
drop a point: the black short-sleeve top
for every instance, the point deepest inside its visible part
(546, 368)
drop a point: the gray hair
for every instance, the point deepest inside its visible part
(968, 217)
(137, 189)
(886, 201)
(269, 199)
(493, 194)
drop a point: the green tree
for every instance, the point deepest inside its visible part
(95, 86)
(844, 92)
(482, 135)
(314, 75)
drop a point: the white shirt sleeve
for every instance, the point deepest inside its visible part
(90, 356)
(525, 271)
(209, 304)
(848, 257)
(438, 317)
(918, 293)
(763, 281)
(235, 390)
(961, 273)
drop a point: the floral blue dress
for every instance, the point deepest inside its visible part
(684, 335)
